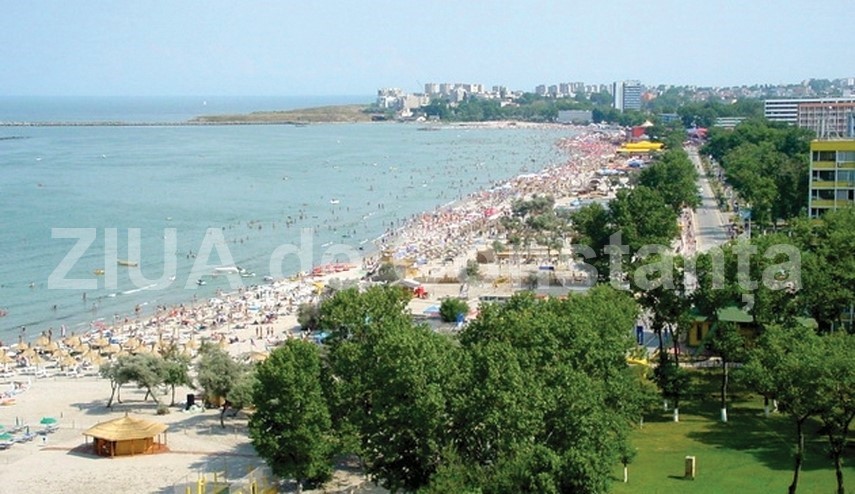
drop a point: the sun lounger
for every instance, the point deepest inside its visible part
(27, 437)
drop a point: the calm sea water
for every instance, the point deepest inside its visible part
(255, 187)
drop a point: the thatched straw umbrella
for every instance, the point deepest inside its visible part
(132, 344)
(258, 356)
(113, 349)
(100, 343)
(72, 341)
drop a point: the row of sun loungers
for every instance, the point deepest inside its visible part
(23, 434)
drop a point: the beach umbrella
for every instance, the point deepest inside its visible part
(5, 358)
(132, 344)
(94, 359)
(68, 362)
(47, 421)
(41, 341)
(80, 348)
(112, 349)
(23, 346)
(72, 341)
(258, 356)
(100, 343)
(139, 349)
(5, 436)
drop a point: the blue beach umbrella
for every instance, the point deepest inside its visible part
(47, 421)
(5, 436)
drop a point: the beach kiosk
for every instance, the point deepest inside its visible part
(127, 436)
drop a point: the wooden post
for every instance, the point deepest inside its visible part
(690, 467)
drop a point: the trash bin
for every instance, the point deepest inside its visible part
(191, 400)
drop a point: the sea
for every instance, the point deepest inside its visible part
(100, 221)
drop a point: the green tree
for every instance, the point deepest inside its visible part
(839, 387)
(308, 316)
(592, 230)
(217, 373)
(794, 376)
(550, 398)
(177, 372)
(827, 267)
(148, 370)
(674, 176)
(665, 297)
(451, 308)
(471, 271)
(727, 342)
(291, 427)
(389, 384)
(118, 373)
(643, 218)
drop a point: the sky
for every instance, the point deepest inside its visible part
(300, 47)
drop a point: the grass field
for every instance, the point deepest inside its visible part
(749, 453)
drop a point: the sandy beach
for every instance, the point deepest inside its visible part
(58, 376)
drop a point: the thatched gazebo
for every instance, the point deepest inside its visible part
(127, 436)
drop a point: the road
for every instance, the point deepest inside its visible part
(710, 223)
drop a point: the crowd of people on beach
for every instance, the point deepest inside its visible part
(445, 233)
(452, 230)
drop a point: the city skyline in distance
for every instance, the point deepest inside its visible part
(267, 48)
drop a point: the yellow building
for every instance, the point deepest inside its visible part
(832, 175)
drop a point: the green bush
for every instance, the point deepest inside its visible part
(451, 307)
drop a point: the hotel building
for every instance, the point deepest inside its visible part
(832, 175)
(827, 117)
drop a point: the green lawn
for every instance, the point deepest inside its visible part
(749, 453)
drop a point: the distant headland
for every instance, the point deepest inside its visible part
(302, 116)
(321, 114)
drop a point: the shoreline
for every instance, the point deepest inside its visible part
(496, 199)
(248, 323)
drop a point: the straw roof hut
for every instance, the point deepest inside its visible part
(127, 436)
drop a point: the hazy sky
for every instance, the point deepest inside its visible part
(304, 47)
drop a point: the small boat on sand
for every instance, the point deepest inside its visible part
(127, 263)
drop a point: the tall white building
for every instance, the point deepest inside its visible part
(627, 95)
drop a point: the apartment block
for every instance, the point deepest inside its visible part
(832, 175)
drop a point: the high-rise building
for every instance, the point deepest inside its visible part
(627, 95)
(832, 175)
